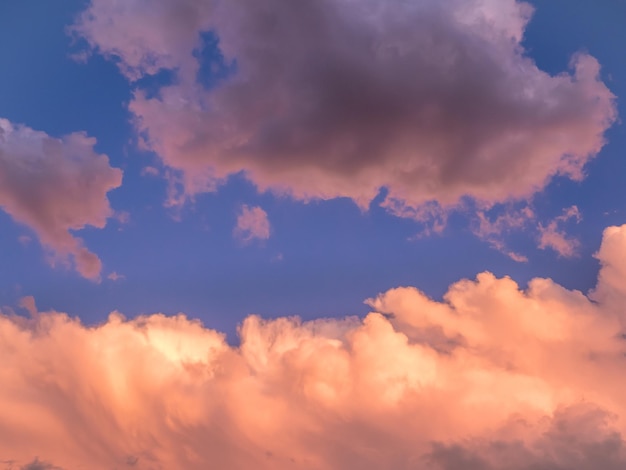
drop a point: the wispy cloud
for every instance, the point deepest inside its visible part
(149, 171)
(493, 229)
(554, 237)
(114, 276)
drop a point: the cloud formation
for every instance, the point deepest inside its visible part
(491, 228)
(552, 236)
(56, 186)
(335, 98)
(491, 377)
(252, 223)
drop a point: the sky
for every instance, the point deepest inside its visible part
(312, 235)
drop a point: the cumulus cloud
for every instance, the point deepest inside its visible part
(491, 377)
(252, 223)
(56, 186)
(553, 236)
(337, 98)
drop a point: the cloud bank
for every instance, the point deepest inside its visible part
(56, 186)
(491, 377)
(434, 101)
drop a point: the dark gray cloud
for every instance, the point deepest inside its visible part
(330, 98)
(576, 438)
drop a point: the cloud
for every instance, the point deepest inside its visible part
(114, 276)
(56, 186)
(39, 465)
(322, 99)
(492, 228)
(552, 236)
(252, 223)
(149, 171)
(490, 377)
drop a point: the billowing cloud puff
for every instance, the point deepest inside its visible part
(432, 100)
(252, 223)
(56, 186)
(491, 377)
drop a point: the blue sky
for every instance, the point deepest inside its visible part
(395, 232)
(324, 257)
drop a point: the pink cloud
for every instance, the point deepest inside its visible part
(492, 229)
(491, 377)
(56, 186)
(149, 171)
(114, 276)
(252, 223)
(552, 235)
(432, 100)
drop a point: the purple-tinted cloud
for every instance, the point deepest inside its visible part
(56, 186)
(432, 100)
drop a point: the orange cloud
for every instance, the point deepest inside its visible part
(491, 377)
(56, 186)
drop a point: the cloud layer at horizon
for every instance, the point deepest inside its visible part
(335, 98)
(491, 377)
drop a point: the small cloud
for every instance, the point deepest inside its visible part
(432, 216)
(516, 257)
(252, 223)
(552, 235)
(492, 230)
(123, 217)
(116, 277)
(81, 57)
(149, 171)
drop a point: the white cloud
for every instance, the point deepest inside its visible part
(114, 276)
